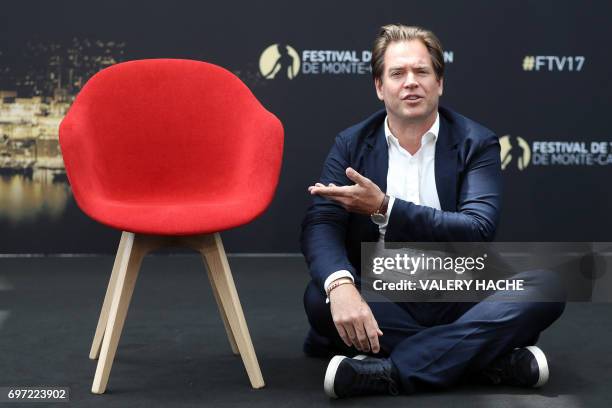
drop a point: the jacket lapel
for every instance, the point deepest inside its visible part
(445, 167)
(374, 166)
(376, 158)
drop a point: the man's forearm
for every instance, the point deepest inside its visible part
(410, 222)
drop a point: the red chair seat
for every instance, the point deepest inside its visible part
(171, 218)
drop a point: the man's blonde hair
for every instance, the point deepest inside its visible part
(399, 32)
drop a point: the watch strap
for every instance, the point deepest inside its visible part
(383, 206)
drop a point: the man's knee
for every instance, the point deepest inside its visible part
(544, 312)
(538, 305)
(543, 285)
(533, 316)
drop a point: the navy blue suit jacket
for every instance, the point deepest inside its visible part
(468, 181)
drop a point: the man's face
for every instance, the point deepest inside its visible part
(409, 87)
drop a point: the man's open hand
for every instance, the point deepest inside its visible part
(363, 197)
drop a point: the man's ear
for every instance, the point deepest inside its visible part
(378, 86)
(441, 89)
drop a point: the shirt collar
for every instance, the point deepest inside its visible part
(431, 134)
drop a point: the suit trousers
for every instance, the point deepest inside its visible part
(436, 344)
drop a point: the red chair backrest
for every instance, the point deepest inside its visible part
(166, 130)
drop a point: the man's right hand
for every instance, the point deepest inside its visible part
(353, 319)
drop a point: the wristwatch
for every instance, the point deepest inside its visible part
(380, 216)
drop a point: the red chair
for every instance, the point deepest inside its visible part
(170, 152)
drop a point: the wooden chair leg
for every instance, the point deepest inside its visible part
(218, 267)
(223, 314)
(99, 335)
(127, 274)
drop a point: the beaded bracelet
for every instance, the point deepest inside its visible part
(336, 284)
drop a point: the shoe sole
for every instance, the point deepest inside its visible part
(330, 376)
(542, 365)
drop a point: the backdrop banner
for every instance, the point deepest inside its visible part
(536, 73)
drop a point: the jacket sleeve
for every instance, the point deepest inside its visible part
(323, 237)
(478, 205)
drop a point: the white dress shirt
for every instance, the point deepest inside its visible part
(410, 178)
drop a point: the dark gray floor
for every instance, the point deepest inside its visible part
(174, 353)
